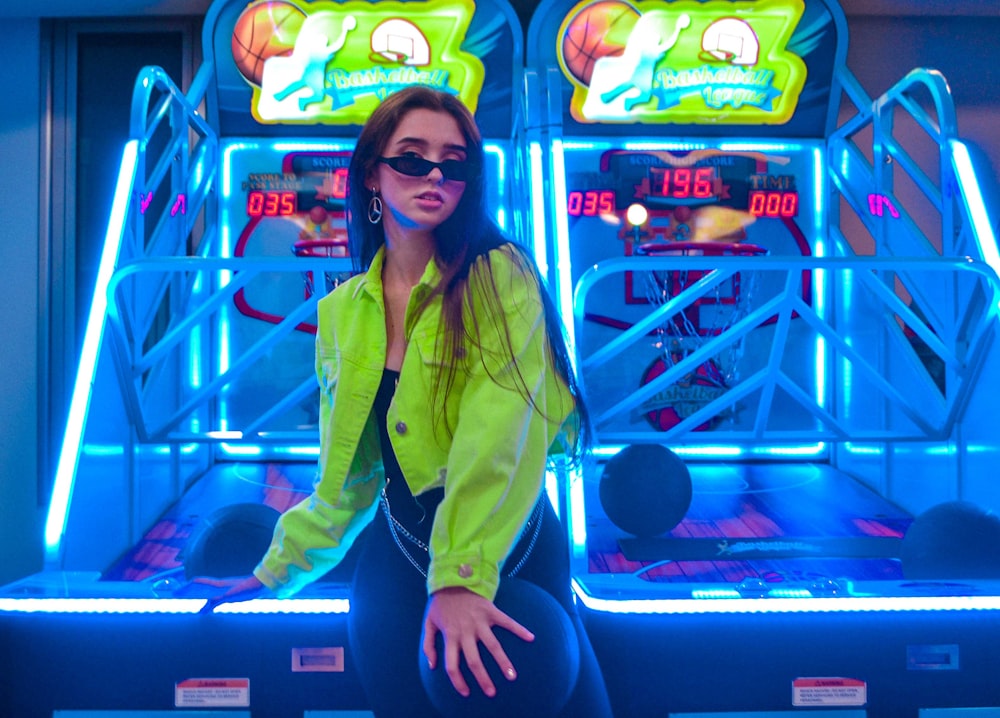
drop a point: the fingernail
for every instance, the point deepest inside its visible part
(511, 675)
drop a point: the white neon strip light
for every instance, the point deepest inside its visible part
(578, 511)
(977, 206)
(819, 180)
(311, 147)
(242, 449)
(819, 275)
(101, 605)
(117, 450)
(538, 208)
(570, 145)
(172, 605)
(863, 449)
(867, 604)
(723, 602)
(225, 276)
(287, 605)
(728, 451)
(846, 388)
(800, 450)
(497, 150)
(233, 435)
(227, 161)
(563, 268)
(674, 146)
(310, 451)
(501, 181)
(718, 452)
(761, 146)
(62, 490)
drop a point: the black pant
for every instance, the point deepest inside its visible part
(388, 599)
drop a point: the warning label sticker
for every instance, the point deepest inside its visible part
(212, 692)
(829, 692)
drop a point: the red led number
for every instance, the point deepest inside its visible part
(270, 204)
(339, 183)
(590, 203)
(684, 183)
(774, 204)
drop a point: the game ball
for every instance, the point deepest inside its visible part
(682, 213)
(645, 489)
(534, 693)
(318, 214)
(599, 29)
(952, 540)
(263, 30)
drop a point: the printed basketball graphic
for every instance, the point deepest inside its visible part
(599, 29)
(263, 30)
(670, 407)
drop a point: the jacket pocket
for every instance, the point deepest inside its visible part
(329, 370)
(426, 343)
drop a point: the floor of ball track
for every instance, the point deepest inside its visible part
(840, 529)
(767, 507)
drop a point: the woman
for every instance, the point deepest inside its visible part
(445, 385)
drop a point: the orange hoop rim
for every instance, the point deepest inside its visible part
(737, 249)
(306, 247)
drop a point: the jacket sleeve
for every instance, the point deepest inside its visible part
(511, 410)
(313, 536)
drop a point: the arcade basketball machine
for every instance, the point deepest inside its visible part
(782, 297)
(193, 421)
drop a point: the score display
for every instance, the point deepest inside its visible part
(774, 204)
(308, 181)
(662, 181)
(590, 203)
(266, 203)
(683, 182)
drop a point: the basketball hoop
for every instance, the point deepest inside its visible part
(696, 323)
(326, 247)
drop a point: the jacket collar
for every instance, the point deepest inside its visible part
(371, 281)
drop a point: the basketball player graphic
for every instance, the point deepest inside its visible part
(621, 82)
(305, 68)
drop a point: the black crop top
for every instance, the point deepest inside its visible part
(409, 511)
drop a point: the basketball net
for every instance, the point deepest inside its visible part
(323, 247)
(706, 316)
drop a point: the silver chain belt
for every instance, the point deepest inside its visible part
(399, 532)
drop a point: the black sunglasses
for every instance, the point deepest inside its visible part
(458, 170)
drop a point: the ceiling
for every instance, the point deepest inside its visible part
(133, 8)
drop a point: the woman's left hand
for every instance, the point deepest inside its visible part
(466, 619)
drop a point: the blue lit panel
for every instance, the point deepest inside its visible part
(283, 199)
(637, 200)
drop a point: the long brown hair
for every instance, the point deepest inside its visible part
(462, 246)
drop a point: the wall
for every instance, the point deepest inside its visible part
(21, 516)
(883, 49)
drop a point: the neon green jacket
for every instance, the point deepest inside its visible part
(492, 464)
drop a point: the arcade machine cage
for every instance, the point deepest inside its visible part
(199, 352)
(822, 394)
(858, 346)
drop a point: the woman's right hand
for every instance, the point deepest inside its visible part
(244, 589)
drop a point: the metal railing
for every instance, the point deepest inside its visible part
(876, 372)
(172, 384)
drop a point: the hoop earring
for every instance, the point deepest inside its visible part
(375, 208)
